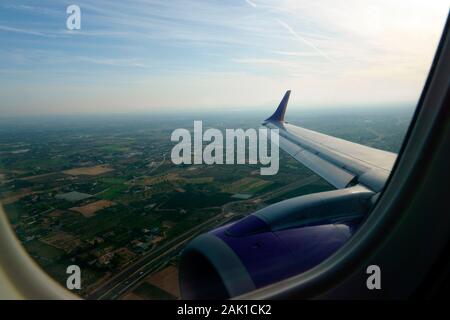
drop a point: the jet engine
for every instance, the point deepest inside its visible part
(272, 244)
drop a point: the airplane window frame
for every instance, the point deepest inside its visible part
(21, 277)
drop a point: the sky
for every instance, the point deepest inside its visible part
(144, 56)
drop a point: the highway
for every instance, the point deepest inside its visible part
(132, 276)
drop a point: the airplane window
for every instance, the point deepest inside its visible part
(167, 150)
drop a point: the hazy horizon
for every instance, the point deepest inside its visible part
(188, 116)
(264, 110)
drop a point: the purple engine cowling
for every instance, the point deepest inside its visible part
(273, 244)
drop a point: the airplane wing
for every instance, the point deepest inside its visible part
(291, 236)
(340, 162)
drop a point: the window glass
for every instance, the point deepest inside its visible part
(92, 93)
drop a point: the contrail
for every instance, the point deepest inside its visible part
(299, 37)
(251, 3)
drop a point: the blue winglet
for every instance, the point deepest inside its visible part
(278, 115)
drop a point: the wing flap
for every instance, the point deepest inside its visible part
(336, 160)
(366, 156)
(336, 176)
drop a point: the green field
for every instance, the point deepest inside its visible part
(112, 180)
(41, 249)
(196, 200)
(247, 185)
(112, 191)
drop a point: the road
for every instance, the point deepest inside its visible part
(135, 273)
(132, 275)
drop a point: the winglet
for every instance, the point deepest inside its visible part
(278, 115)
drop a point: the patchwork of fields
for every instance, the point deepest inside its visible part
(104, 194)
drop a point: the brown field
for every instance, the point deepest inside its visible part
(56, 213)
(132, 296)
(43, 177)
(166, 279)
(157, 239)
(90, 209)
(168, 224)
(16, 196)
(89, 171)
(62, 240)
(2, 176)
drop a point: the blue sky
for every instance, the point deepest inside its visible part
(135, 56)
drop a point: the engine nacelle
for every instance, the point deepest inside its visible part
(275, 243)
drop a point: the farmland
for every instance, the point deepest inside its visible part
(103, 194)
